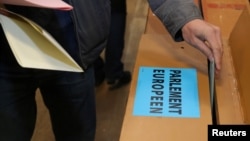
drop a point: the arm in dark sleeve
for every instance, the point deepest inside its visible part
(174, 14)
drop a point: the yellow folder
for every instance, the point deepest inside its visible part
(32, 46)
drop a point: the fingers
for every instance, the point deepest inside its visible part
(206, 38)
(203, 46)
(214, 43)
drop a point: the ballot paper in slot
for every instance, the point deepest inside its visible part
(211, 67)
(52, 4)
(33, 47)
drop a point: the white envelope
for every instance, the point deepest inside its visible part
(33, 47)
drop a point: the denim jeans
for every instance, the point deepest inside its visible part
(69, 97)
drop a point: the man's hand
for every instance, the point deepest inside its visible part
(206, 38)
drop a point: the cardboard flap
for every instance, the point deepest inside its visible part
(225, 14)
(239, 43)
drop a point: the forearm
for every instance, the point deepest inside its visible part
(174, 14)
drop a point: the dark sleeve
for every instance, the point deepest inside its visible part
(174, 14)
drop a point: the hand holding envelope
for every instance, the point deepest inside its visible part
(32, 46)
(54, 4)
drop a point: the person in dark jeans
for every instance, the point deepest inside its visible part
(69, 96)
(112, 69)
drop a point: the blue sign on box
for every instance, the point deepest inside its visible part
(167, 92)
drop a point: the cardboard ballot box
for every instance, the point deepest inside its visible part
(225, 14)
(158, 50)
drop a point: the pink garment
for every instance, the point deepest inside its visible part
(54, 4)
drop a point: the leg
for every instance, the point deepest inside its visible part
(99, 71)
(17, 108)
(114, 66)
(17, 98)
(70, 98)
(114, 50)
